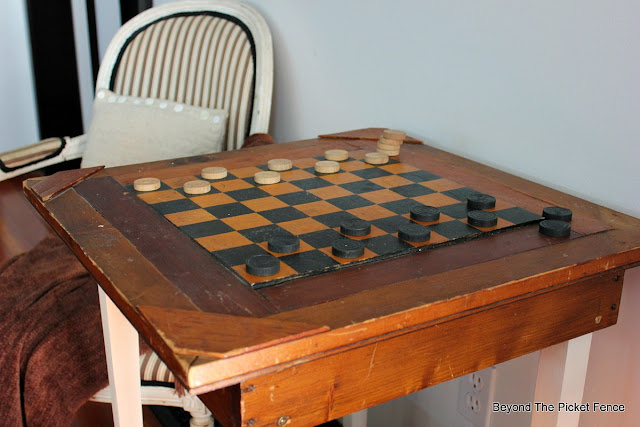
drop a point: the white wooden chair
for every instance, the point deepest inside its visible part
(211, 58)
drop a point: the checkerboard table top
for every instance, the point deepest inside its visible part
(235, 220)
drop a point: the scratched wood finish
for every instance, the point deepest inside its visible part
(428, 356)
(222, 335)
(61, 181)
(194, 271)
(372, 134)
(224, 404)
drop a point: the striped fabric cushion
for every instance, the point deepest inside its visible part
(154, 369)
(206, 61)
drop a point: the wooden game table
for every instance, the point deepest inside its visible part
(317, 348)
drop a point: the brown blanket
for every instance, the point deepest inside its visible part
(52, 358)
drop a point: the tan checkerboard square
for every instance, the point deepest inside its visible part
(442, 184)
(382, 196)
(436, 199)
(397, 168)
(354, 165)
(264, 204)
(317, 208)
(295, 175)
(231, 185)
(305, 163)
(243, 222)
(222, 241)
(391, 181)
(245, 172)
(193, 216)
(342, 178)
(301, 226)
(214, 199)
(330, 192)
(280, 188)
(160, 196)
(179, 181)
(285, 271)
(369, 213)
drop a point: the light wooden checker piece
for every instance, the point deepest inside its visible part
(214, 172)
(327, 166)
(266, 177)
(146, 184)
(336, 155)
(376, 158)
(197, 186)
(388, 152)
(279, 165)
(396, 134)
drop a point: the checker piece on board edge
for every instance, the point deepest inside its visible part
(479, 201)
(555, 228)
(146, 184)
(482, 218)
(355, 227)
(283, 244)
(213, 172)
(266, 177)
(412, 232)
(197, 186)
(336, 155)
(425, 213)
(279, 165)
(263, 265)
(376, 158)
(555, 212)
(327, 166)
(347, 248)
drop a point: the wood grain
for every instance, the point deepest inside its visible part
(430, 355)
(222, 335)
(372, 134)
(60, 181)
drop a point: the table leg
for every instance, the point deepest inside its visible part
(562, 371)
(122, 350)
(357, 419)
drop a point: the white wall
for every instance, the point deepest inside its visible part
(547, 90)
(18, 117)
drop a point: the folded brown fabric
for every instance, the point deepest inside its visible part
(258, 139)
(52, 358)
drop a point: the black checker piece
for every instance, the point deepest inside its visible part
(238, 256)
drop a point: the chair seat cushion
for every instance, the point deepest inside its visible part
(127, 130)
(154, 369)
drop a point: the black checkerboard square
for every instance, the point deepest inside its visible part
(207, 228)
(228, 210)
(283, 214)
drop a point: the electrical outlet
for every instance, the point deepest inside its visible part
(476, 395)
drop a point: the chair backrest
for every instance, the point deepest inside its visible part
(205, 53)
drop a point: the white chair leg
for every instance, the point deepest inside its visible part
(200, 414)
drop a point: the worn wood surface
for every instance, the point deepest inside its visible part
(392, 367)
(551, 289)
(60, 181)
(222, 335)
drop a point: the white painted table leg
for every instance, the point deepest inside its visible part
(122, 348)
(562, 371)
(357, 419)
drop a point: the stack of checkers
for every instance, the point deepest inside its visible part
(390, 142)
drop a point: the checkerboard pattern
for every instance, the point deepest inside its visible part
(237, 218)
